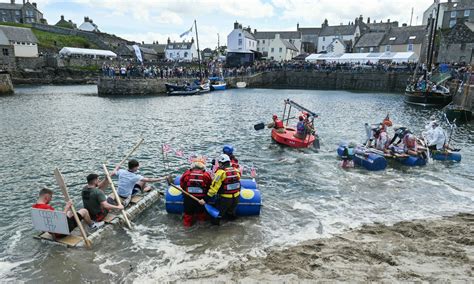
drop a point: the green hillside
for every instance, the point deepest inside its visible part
(53, 41)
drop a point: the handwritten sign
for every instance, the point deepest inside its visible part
(50, 221)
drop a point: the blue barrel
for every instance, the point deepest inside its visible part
(449, 156)
(412, 161)
(250, 201)
(370, 161)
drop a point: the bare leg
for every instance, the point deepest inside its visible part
(144, 186)
(84, 213)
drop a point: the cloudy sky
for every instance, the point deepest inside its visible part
(156, 20)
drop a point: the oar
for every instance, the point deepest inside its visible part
(117, 197)
(62, 185)
(209, 208)
(130, 153)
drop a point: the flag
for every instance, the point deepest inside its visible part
(179, 153)
(166, 148)
(241, 170)
(253, 172)
(138, 53)
(187, 32)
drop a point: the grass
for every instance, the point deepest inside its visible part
(48, 40)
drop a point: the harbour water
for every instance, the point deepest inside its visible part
(306, 194)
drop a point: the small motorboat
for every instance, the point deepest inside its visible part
(185, 89)
(241, 85)
(217, 83)
(204, 86)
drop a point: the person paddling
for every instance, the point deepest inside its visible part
(94, 198)
(277, 124)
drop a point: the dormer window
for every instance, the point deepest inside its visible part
(240, 34)
(412, 37)
(392, 38)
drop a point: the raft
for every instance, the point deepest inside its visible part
(287, 138)
(139, 203)
(446, 156)
(250, 201)
(362, 157)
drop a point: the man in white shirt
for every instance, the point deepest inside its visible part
(437, 138)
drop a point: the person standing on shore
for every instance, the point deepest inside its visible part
(195, 181)
(226, 185)
(94, 198)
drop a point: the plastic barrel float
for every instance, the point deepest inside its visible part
(250, 200)
(446, 156)
(362, 157)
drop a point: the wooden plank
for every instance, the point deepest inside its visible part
(71, 240)
(136, 199)
(109, 217)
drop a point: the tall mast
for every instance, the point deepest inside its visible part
(434, 36)
(199, 52)
(411, 17)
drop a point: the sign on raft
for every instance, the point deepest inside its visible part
(50, 221)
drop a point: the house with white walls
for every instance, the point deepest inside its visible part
(266, 38)
(281, 49)
(241, 46)
(181, 51)
(347, 33)
(23, 40)
(337, 46)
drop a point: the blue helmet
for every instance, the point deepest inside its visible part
(228, 149)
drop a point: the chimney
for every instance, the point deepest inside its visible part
(192, 40)
(254, 31)
(325, 23)
(143, 42)
(361, 19)
(34, 4)
(297, 26)
(86, 19)
(404, 24)
(368, 20)
(236, 25)
(388, 20)
(169, 41)
(13, 1)
(240, 26)
(62, 17)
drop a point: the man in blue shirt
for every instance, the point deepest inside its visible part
(130, 183)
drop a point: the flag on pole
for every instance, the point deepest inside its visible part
(138, 53)
(187, 32)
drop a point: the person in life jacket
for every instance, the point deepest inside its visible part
(196, 181)
(400, 132)
(382, 142)
(226, 185)
(229, 151)
(277, 124)
(300, 128)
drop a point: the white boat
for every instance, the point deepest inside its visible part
(241, 85)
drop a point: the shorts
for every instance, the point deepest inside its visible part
(71, 222)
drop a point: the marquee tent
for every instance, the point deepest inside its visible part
(68, 51)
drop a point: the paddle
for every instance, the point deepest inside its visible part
(209, 208)
(259, 126)
(62, 185)
(130, 153)
(117, 198)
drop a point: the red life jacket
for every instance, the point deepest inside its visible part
(278, 124)
(195, 184)
(231, 183)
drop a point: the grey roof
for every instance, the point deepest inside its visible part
(19, 34)
(142, 49)
(179, 45)
(370, 39)
(248, 35)
(470, 25)
(3, 39)
(283, 34)
(159, 48)
(9, 6)
(338, 30)
(382, 27)
(289, 45)
(309, 31)
(402, 35)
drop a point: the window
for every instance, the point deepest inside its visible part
(258, 48)
(452, 23)
(258, 42)
(177, 54)
(171, 54)
(281, 49)
(388, 48)
(410, 47)
(272, 49)
(240, 34)
(263, 41)
(323, 47)
(453, 14)
(392, 38)
(467, 13)
(185, 54)
(5, 51)
(240, 41)
(17, 13)
(371, 49)
(412, 37)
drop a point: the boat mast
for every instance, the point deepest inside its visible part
(434, 36)
(199, 53)
(428, 62)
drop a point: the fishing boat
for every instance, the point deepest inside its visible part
(241, 85)
(138, 204)
(250, 201)
(182, 89)
(217, 83)
(204, 86)
(287, 136)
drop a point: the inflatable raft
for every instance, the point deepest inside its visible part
(250, 201)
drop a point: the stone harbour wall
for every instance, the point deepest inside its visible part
(6, 86)
(135, 86)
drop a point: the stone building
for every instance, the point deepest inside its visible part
(23, 41)
(457, 12)
(25, 13)
(181, 51)
(457, 44)
(88, 25)
(309, 39)
(127, 52)
(404, 39)
(347, 33)
(281, 49)
(369, 42)
(159, 48)
(265, 40)
(66, 24)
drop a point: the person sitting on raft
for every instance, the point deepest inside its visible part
(400, 132)
(45, 197)
(303, 128)
(196, 181)
(277, 124)
(382, 141)
(410, 146)
(436, 137)
(229, 151)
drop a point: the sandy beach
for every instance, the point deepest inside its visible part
(419, 250)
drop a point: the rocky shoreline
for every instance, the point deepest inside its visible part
(435, 250)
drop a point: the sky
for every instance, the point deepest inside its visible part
(158, 20)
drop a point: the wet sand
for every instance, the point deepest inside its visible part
(419, 250)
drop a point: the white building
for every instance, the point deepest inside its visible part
(281, 49)
(241, 39)
(337, 46)
(347, 33)
(88, 25)
(265, 40)
(23, 40)
(181, 51)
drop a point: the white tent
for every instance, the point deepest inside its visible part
(68, 51)
(362, 58)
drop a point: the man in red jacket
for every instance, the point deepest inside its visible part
(196, 181)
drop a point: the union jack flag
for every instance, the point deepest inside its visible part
(179, 153)
(253, 172)
(166, 148)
